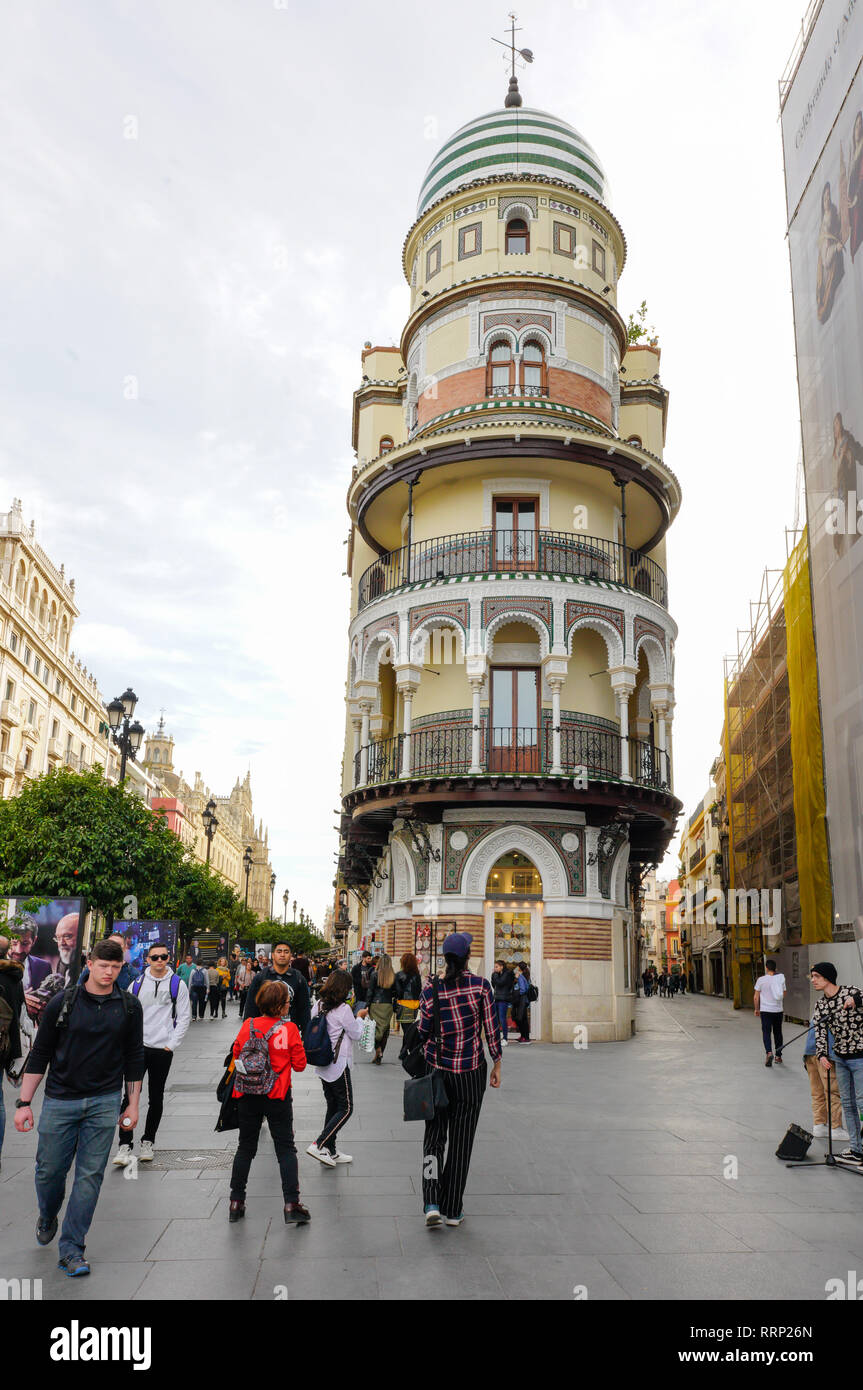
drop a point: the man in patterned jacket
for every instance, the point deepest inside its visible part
(840, 1009)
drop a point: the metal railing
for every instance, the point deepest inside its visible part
(523, 751)
(504, 551)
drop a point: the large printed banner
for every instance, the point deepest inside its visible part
(818, 89)
(45, 934)
(826, 240)
(138, 937)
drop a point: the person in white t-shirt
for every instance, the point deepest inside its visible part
(769, 994)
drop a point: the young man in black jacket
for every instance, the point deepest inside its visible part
(503, 984)
(361, 974)
(301, 1007)
(90, 1040)
(12, 996)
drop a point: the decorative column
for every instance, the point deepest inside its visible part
(623, 683)
(554, 669)
(366, 708)
(407, 682)
(662, 704)
(476, 674)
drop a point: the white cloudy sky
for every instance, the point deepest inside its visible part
(232, 259)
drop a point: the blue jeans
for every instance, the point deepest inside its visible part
(849, 1077)
(501, 1008)
(68, 1127)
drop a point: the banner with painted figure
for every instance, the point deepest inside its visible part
(45, 938)
(826, 243)
(138, 937)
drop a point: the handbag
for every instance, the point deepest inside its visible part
(229, 1115)
(226, 1085)
(425, 1094)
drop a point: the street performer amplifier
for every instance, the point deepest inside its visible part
(795, 1144)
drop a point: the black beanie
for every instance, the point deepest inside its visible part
(825, 968)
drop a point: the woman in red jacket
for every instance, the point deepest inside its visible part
(285, 1051)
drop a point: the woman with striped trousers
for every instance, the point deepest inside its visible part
(465, 1005)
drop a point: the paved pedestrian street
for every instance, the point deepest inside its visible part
(603, 1173)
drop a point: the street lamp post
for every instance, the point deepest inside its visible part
(247, 868)
(208, 816)
(285, 896)
(127, 736)
(294, 914)
(272, 892)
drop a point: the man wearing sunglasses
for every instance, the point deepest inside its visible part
(164, 998)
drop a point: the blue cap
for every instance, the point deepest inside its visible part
(458, 943)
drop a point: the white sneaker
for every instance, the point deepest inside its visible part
(344, 1158)
(454, 1220)
(123, 1156)
(820, 1132)
(322, 1155)
(839, 1134)
(504, 1042)
(147, 1151)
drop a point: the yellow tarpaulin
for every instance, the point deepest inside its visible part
(816, 899)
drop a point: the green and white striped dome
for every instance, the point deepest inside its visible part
(514, 141)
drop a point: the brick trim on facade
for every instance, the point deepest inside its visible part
(575, 938)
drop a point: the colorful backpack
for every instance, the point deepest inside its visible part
(253, 1073)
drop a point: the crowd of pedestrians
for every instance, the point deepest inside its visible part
(664, 983)
(99, 1038)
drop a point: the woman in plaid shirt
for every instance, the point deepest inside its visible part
(466, 1008)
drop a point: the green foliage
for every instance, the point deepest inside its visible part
(299, 938)
(75, 835)
(636, 328)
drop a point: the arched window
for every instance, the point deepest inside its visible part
(517, 237)
(34, 596)
(500, 376)
(533, 373)
(385, 445)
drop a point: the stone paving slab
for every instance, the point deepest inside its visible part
(601, 1169)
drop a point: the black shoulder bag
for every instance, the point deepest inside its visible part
(426, 1094)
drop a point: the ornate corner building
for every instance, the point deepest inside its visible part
(510, 672)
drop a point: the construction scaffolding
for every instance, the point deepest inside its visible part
(760, 786)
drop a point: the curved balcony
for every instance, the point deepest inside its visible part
(514, 552)
(519, 752)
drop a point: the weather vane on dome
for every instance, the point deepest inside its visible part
(513, 96)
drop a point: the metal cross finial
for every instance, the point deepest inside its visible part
(513, 96)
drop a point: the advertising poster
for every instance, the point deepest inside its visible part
(45, 933)
(139, 937)
(262, 948)
(826, 243)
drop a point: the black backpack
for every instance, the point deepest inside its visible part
(532, 993)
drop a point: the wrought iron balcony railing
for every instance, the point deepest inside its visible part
(524, 751)
(518, 552)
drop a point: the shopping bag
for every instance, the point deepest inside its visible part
(367, 1041)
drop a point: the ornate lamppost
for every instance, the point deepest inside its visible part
(285, 896)
(247, 869)
(211, 824)
(127, 736)
(272, 892)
